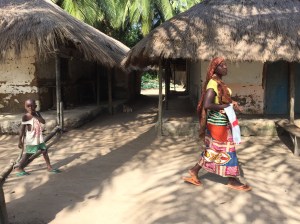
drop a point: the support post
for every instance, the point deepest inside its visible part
(160, 99)
(167, 84)
(110, 106)
(292, 92)
(58, 88)
(61, 118)
(174, 73)
(98, 85)
(188, 76)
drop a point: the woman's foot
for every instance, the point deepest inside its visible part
(193, 179)
(235, 184)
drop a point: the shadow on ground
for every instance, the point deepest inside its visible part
(116, 170)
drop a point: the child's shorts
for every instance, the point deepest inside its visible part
(32, 149)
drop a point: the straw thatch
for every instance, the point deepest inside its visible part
(239, 30)
(49, 28)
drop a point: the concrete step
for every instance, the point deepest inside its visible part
(248, 126)
(73, 118)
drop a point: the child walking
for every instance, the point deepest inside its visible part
(31, 137)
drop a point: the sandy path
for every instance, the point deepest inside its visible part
(116, 171)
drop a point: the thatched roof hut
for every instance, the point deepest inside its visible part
(50, 29)
(239, 30)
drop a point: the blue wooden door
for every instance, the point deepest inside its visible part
(277, 88)
(297, 88)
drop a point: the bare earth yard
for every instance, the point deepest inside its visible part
(117, 171)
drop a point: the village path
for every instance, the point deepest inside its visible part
(117, 171)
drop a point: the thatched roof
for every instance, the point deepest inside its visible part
(49, 28)
(239, 30)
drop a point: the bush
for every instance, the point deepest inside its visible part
(149, 81)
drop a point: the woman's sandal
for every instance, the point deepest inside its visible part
(193, 179)
(244, 187)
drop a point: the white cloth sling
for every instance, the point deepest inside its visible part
(236, 133)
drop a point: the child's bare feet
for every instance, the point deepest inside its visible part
(51, 170)
(21, 172)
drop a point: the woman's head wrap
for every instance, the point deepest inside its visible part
(212, 67)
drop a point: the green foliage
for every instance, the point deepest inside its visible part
(183, 5)
(125, 20)
(149, 81)
(131, 36)
(84, 10)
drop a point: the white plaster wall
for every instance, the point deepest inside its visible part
(17, 76)
(244, 79)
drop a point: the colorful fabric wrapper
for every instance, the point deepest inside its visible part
(219, 157)
(235, 128)
(217, 118)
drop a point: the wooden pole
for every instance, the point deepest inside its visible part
(5, 173)
(98, 85)
(110, 106)
(188, 76)
(167, 85)
(160, 103)
(61, 118)
(264, 82)
(7, 170)
(174, 73)
(58, 88)
(292, 92)
(3, 211)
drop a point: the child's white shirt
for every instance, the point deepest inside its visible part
(35, 135)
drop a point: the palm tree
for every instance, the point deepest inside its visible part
(149, 13)
(84, 10)
(118, 17)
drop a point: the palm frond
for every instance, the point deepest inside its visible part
(165, 9)
(146, 16)
(84, 10)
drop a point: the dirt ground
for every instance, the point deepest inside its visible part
(117, 171)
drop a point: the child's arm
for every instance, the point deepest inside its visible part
(38, 116)
(22, 133)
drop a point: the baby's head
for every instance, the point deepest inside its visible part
(30, 105)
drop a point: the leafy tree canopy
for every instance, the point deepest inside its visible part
(125, 20)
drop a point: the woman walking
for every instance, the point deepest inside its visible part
(219, 156)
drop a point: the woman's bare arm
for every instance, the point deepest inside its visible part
(209, 101)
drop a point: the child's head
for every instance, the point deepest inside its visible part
(30, 105)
